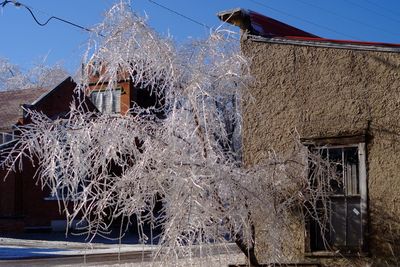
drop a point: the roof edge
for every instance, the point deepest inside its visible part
(235, 16)
(328, 43)
(260, 26)
(45, 95)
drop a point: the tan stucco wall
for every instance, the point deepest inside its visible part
(325, 92)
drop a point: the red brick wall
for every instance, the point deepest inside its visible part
(57, 102)
(22, 201)
(7, 195)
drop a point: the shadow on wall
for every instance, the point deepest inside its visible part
(385, 235)
(384, 205)
(388, 63)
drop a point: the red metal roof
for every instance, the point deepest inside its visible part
(269, 27)
(260, 25)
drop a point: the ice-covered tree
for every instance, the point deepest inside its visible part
(184, 151)
(40, 75)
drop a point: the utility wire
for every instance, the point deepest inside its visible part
(180, 14)
(18, 4)
(188, 18)
(347, 18)
(302, 19)
(384, 8)
(373, 11)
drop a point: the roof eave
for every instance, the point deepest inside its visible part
(55, 88)
(237, 17)
(326, 43)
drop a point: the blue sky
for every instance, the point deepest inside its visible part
(24, 42)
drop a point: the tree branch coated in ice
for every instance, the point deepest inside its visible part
(183, 152)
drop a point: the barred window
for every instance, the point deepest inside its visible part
(347, 212)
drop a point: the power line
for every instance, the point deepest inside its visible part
(189, 18)
(180, 14)
(384, 8)
(302, 19)
(347, 18)
(373, 11)
(18, 4)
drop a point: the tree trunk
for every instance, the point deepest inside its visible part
(248, 251)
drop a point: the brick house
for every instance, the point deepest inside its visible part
(26, 206)
(342, 97)
(23, 204)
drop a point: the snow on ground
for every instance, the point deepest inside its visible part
(11, 248)
(212, 261)
(21, 252)
(17, 249)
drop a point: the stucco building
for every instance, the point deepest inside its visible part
(340, 95)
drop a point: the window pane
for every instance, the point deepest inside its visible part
(116, 101)
(108, 101)
(336, 159)
(338, 222)
(354, 233)
(6, 137)
(351, 173)
(319, 231)
(97, 100)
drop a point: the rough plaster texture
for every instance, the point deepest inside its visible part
(330, 92)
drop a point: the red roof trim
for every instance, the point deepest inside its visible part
(259, 25)
(269, 27)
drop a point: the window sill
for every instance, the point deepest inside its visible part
(52, 198)
(332, 254)
(57, 199)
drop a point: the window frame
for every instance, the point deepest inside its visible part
(358, 142)
(6, 137)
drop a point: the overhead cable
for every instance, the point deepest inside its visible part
(396, 14)
(302, 19)
(373, 11)
(18, 4)
(180, 14)
(348, 18)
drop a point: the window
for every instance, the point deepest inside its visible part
(59, 193)
(346, 204)
(6, 137)
(149, 100)
(107, 101)
(60, 181)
